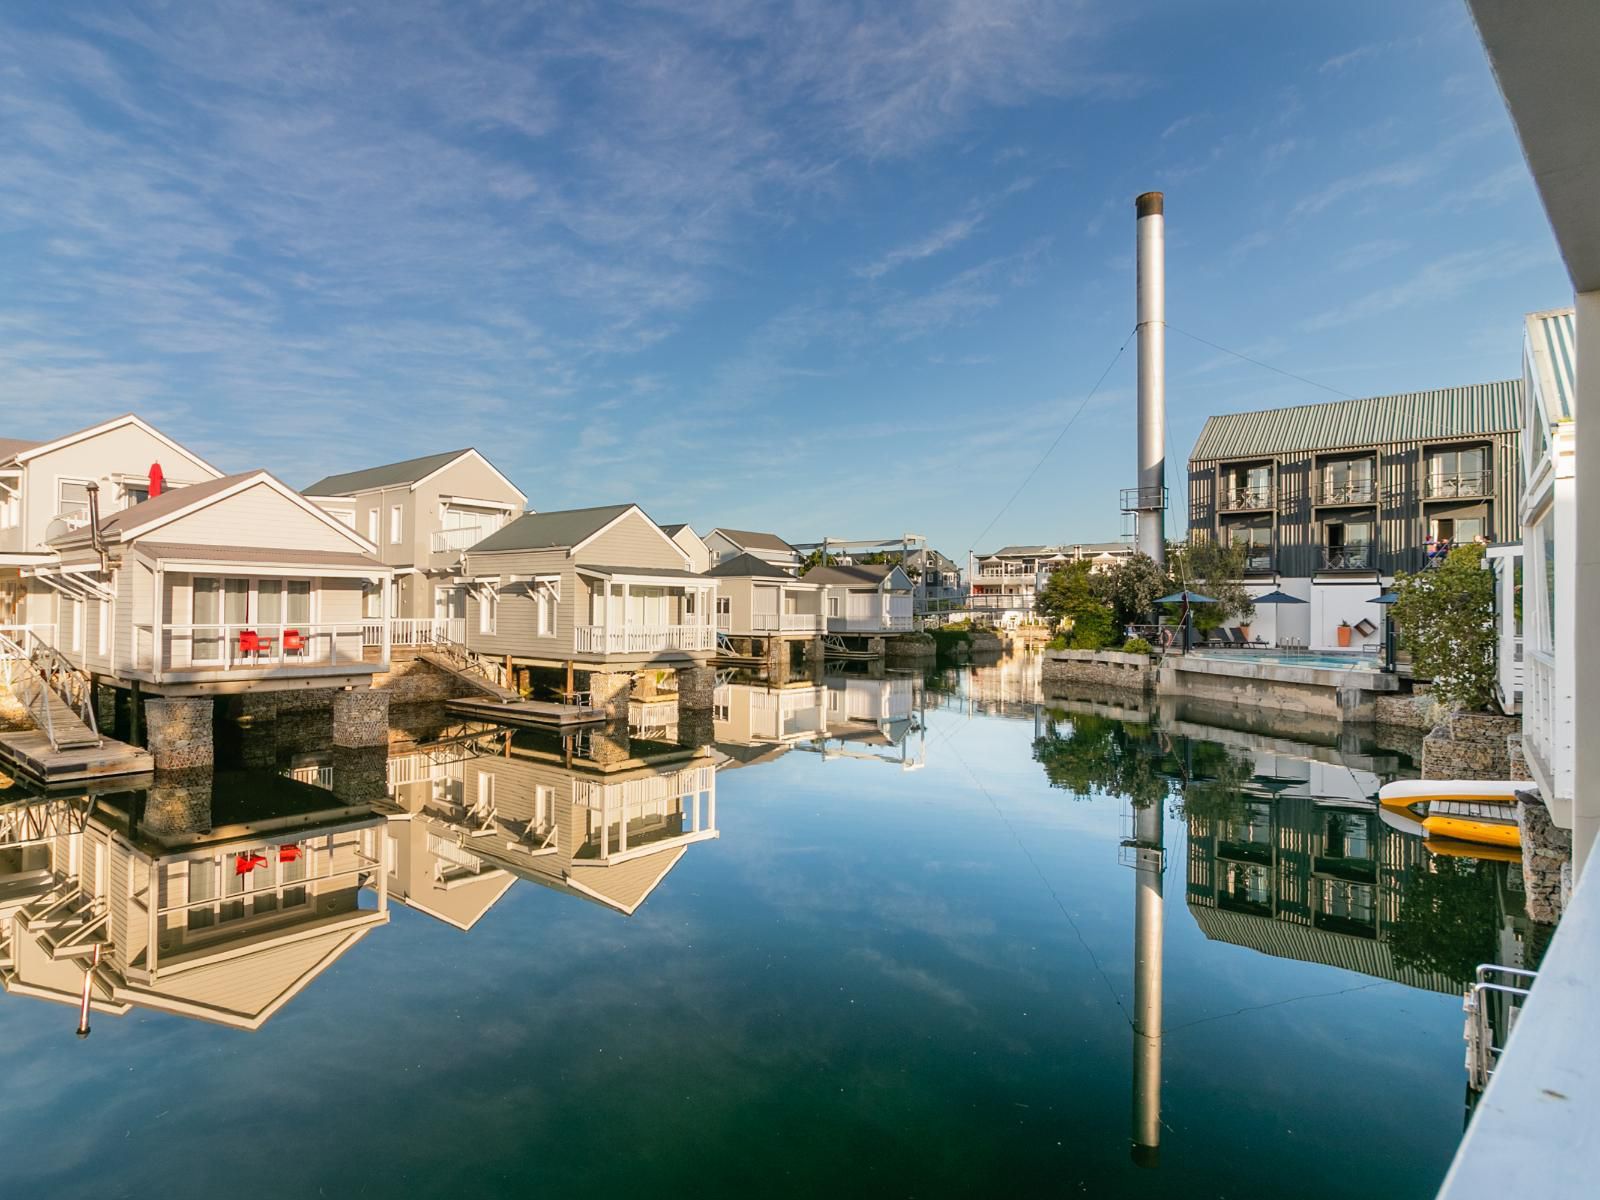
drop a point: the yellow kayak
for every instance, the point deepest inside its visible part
(1483, 812)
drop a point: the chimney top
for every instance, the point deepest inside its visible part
(1149, 204)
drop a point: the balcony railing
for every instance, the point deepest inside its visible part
(416, 631)
(1007, 572)
(643, 639)
(1348, 558)
(1461, 485)
(787, 622)
(1257, 558)
(1347, 491)
(247, 647)
(446, 541)
(1242, 499)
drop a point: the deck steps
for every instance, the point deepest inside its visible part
(462, 667)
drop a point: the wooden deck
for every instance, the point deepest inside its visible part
(544, 713)
(30, 752)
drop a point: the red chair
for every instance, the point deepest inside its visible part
(249, 643)
(293, 643)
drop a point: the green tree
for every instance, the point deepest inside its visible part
(1214, 570)
(1131, 588)
(1445, 616)
(1447, 917)
(1068, 596)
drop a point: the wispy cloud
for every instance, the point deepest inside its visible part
(938, 241)
(1434, 282)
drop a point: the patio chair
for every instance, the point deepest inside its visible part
(249, 643)
(294, 643)
(1249, 641)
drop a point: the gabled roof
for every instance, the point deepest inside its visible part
(751, 566)
(552, 530)
(1553, 349)
(676, 528)
(158, 510)
(11, 447)
(35, 449)
(1481, 408)
(409, 473)
(862, 575)
(746, 540)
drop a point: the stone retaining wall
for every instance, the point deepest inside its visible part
(1546, 853)
(913, 645)
(1469, 746)
(1098, 668)
(1416, 711)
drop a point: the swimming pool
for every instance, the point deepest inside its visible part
(1343, 662)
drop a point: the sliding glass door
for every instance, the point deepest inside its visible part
(218, 604)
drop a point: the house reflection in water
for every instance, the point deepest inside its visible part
(756, 721)
(874, 718)
(601, 814)
(1314, 873)
(215, 898)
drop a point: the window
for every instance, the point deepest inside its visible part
(372, 601)
(396, 522)
(72, 497)
(488, 609)
(1348, 545)
(833, 606)
(134, 494)
(1547, 541)
(1349, 481)
(1458, 472)
(1457, 530)
(10, 506)
(546, 597)
(372, 526)
(724, 606)
(1255, 535)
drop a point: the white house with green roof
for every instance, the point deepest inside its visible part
(421, 514)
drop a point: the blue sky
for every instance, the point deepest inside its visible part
(825, 268)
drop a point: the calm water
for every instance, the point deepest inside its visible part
(897, 959)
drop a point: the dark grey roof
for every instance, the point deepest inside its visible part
(551, 530)
(674, 529)
(389, 475)
(749, 565)
(746, 540)
(1413, 416)
(861, 575)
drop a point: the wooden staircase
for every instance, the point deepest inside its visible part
(58, 696)
(471, 669)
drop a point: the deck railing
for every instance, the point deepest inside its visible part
(1350, 558)
(247, 647)
(1238, 499)
(444, 541)
(643, 639)
(787, 622)
(1347, 491)
(416, 631)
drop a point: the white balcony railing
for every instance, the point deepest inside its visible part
(1009, 572)
(787, 622)
(446, 541)
(416, 631)
(643, 639)
(246, 647)
(1539, 697)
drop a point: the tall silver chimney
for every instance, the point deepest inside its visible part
(1148, 962)
(1149, 501)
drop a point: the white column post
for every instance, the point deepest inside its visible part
(627, 596)
(388, 624)
(1585, 597)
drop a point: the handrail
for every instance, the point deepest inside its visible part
(269, 638)
(48, 672)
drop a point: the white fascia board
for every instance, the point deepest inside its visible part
(106, 427)
(472, 453)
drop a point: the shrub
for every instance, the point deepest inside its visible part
(1136, 645)
(1445, 616)
(1059, 642)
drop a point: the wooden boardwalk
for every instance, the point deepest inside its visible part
(30, 752)
(544, 713)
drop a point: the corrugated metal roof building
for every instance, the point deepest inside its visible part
(1356, 487)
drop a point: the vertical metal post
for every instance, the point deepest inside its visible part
(1152, 329)
(88, 983)
(1149, 838)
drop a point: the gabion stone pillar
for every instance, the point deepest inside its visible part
(696, 687)
(361, 718)
(180, 733)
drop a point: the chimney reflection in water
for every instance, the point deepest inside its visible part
(1149, 839)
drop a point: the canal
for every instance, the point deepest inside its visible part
(857, 936)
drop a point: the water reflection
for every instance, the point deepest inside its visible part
(876, 715)
(214, 897)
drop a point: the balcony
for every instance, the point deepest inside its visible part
(1346, 491)
(643, 639)
(1010, 571)
(1257, 559)
(1244, 499)
(1461, 485)
(1349, 558)
(453, 541)
(1146, 499)
(180, 653)
(787, 622)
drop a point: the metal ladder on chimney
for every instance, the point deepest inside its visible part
(58, 696)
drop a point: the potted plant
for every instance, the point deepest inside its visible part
(1344, 634)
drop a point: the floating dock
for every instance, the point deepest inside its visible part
(30, 752)
(545, 714)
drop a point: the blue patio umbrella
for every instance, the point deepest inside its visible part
(1186, 597)
(1276, 597)
(1387, 598)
